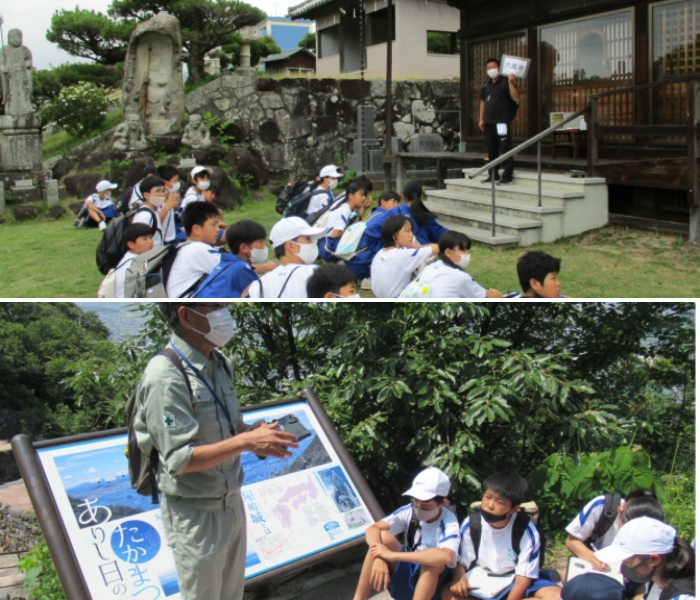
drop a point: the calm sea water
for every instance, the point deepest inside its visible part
(119, 317)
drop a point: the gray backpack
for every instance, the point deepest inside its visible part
(147, 275)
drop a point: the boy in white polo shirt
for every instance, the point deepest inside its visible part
(323, 194)
(197, 257)
(100, 207)
(138, 238)
(416, 567)
(152, 210)
(294, 243)
(201, 182)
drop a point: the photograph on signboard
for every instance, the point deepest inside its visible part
(296, 507)
(516, 65)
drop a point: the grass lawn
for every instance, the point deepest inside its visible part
(51, 259)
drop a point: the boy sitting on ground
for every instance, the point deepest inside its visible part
(417, 568)
(238, 269)
(139, 239)
(538, 273)
(196, 258)
(332, 281)
(294, 243)
(495, 553)
(200, 183)
(100, 207)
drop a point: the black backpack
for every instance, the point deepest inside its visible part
(112, 247)
(522, 520)
(143, 466)
(607, 518)
(289, 191)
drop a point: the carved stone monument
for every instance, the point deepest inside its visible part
(130, 136)
(153, 87)
(196, 134)
(20, 140)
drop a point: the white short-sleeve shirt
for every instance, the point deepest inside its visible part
(319, 199)
(586, 520)
(442, 533)
(150, 217)
(272, 283)
(447, 282)
(193, 260)
(136, 197)
(192, 195)
(100, 203)
(338, 218)
(391, 269)
(496, 552)
(120, 274)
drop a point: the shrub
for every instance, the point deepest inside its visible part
(79, 109)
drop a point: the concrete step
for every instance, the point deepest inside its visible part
(10, 580)
(463, 199)
(551, 196)
(560, 180)
(483, 236)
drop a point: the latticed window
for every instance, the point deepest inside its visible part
(478, 52)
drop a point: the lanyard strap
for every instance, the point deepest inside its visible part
(199, 375)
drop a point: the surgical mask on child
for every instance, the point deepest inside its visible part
(333, 184)
(633, 574)
(258, 255)
(220, 326)
(204, 185)
(491, 517)
(308, 252)
(175, 187)
(427, 515)
(157, 201)
(464, 260)
(492, 73)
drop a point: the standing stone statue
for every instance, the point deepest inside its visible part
(16, 75)
(196, 134)
(130, 136)
(153, 86)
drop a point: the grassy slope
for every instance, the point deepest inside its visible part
(47, 259)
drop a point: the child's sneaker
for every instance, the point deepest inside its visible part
(102, 226)
(366, 284)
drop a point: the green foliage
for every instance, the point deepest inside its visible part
(563, 484)
(308, 42)
(79, 109)
(56, 143)
(259, 48)
(442, 42)
(347, 178)
(219, 127)
(41, 576)
(113, 166)
(679, 503)
(90, 34)
(48, 83)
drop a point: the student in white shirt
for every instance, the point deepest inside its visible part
(446, 277)
(294, 243)
(393, 265)
(341, 216)
(139, 239)
(100, 207)
(649, 550)
(196, 258)
(171, 223)
(152, 210)
(323, 194)
(135, 198)
(201, 182)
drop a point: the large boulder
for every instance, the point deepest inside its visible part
(56, 212)
(250, 166)
(133, 173)
(81, 185)
(98, 157)
(25, 212)
(62, 168)
(229, 195)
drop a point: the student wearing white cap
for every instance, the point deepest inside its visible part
(413, 550)
(294, 243)
(201, 182)
(100, 207)
(649, 550)
(323, 194)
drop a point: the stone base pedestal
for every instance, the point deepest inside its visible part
(20, 150)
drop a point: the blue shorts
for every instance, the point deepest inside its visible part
(404, 579)
(537, 585)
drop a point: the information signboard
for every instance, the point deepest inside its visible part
(300, 510)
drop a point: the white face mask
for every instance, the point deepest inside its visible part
(350, 297)
(464, 260)
(492, 73)
(220, 326)
(175, 188)
(427, 515)
(258, 255)
(157, 201)
(333, 184)
(204, 185)
(307, 252)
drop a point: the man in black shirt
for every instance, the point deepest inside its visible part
(499, 100)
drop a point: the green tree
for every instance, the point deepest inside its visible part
(260, 48)
(308, 42)
(206, 24)
(48, 83)
(79, 109)
(90, 34)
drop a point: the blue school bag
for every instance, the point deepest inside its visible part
(228, 279)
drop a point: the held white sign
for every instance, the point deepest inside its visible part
(516, 65)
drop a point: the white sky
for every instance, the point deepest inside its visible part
(33, 18)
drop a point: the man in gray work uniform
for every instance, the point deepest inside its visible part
(199, 438)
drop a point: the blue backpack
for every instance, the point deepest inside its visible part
(228, 279)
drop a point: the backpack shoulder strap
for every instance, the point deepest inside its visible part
(607, 517)
(678, 587)
(411, 542)
(475, 531)
(172, 356)
(284, 287)
(519, 527)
